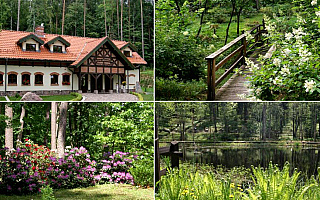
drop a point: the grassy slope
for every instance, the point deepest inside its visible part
(107, 191)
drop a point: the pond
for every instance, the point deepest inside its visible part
(305, 159)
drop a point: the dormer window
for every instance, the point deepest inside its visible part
(31, 47)
(57, 48)
(127, 53)
(30, 43)
(57, 45)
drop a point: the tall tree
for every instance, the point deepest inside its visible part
(84, 17)
(18, 20)
(23, 113)
(63, 13)
(118, 18)
(9, 128)
(53, 126)
(105, 17)
(142, 40)
(121, 21)
(62, 128)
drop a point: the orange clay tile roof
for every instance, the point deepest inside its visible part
(79, 48)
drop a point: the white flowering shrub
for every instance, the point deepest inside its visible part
(293, 70)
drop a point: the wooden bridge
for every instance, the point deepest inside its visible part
(237, 85)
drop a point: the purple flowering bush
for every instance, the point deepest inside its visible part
(75, 170)
(115, 168)
(17, 174)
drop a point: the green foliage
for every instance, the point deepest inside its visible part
(171, 89)
(140, 97)
(47, 193)
(78, 96)
(270, 183)
(142, 172)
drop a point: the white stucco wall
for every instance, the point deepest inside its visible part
(133, 80)
(30, 41)
(46, 78)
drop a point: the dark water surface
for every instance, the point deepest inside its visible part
(305, 159)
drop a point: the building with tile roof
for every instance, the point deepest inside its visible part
(58, 64)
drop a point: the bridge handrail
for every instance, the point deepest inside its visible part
(211, 59)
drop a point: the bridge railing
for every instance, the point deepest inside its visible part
(239, 54)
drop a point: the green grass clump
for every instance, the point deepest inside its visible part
(3, 99)
(77, 96)
(270, 183)
(138, 95)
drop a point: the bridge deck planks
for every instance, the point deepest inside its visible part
(238, 84)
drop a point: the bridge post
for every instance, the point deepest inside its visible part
(174, 148)
(211, 79)
(244, 51)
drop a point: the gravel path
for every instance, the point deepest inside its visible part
(110, 97)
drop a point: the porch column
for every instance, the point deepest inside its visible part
(79, 82)
(89, 82)
(103, 82)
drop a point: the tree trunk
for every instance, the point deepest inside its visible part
(142, 40)
(63, 11)
(105, 18)
(53, 126)
(118, 18)
(18, 20)
(202, 16)
(129, 28)
(227, 31)
(121, 21)
(9, 130)
(264, 121)
(23, 113)
(258, 4)
(62, 128)
(84, 17)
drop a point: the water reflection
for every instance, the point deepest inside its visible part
(306, 160)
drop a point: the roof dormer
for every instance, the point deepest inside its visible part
(127, 49)
(57, 45)
(30, 43)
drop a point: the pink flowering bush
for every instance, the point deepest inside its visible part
(115, 168)
(30, 167)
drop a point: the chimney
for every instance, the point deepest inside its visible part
(39, 31)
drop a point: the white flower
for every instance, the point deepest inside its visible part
(248, 36)
(258, 91)
(288, 36)
(314, 2)
(277, 62)
(186, 33)
(287, 51)
(310, 86)
(318, 13)
(277, 81)
(285, 70)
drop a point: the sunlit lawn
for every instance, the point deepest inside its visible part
(105, 192)
(68, 97)
(3, 99)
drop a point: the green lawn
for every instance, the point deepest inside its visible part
(105, 192)
(68, 97)
(3, 99)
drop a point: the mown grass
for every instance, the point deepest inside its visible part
(3, 99)
(99, 192)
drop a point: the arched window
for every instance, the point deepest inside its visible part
(66, 79)
(1, 78)
(54, 78)
(12, 78)
(38, 79)
(25, 78)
